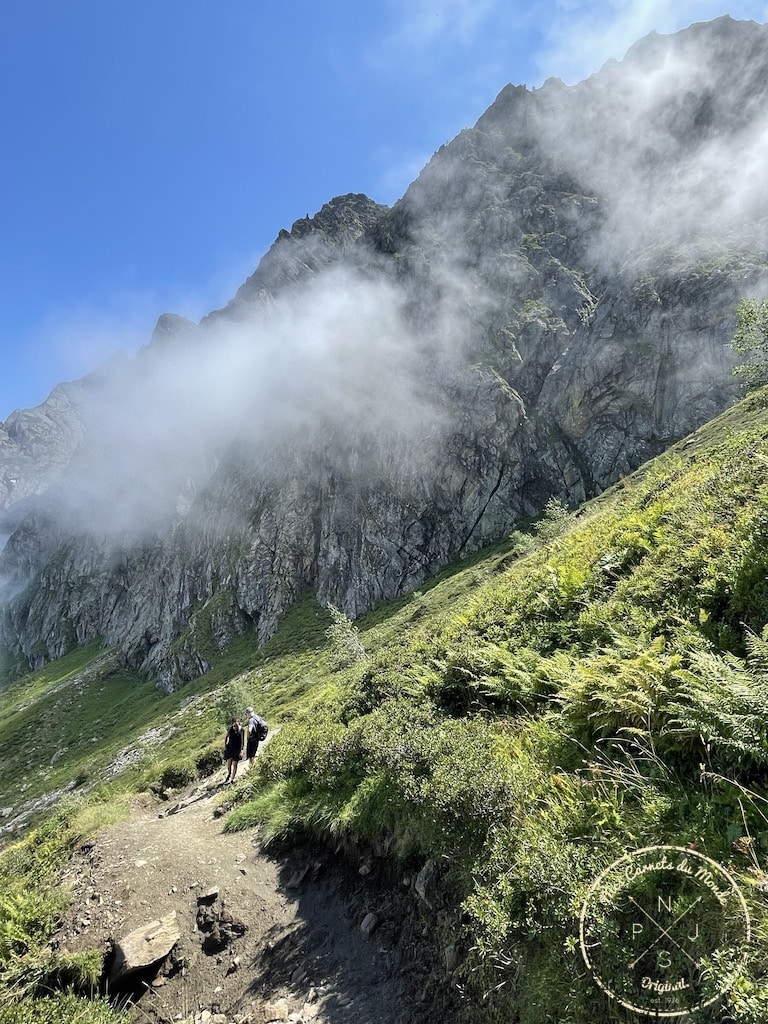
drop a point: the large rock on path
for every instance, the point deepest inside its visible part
(144, 947)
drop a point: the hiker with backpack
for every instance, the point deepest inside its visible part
(256, 730)
(233, 749)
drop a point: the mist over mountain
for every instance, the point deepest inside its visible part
(549, 305)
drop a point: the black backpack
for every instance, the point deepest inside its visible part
(261, 729)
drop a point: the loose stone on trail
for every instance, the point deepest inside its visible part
(144, 946)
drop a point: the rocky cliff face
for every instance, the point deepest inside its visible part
(37, 445)
(549, 305)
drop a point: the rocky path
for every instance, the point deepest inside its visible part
(299, 937)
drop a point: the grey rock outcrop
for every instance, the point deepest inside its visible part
(37, 445)
(549, 305)
(312, 244)
(150, 944)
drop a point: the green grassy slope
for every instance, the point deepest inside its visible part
(528, 720)
(591, 688)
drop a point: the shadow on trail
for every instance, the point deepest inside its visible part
(325, 959)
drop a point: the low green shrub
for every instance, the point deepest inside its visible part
(554, 521)
(343, 636)
(209, 761)
(232, 701)
(476, 673)
(176, 775)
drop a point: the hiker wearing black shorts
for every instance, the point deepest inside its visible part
(233, 749)
(253, 733)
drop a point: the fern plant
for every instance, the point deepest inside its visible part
(721, 701)
(621, 690)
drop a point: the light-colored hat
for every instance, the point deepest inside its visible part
(249, 711)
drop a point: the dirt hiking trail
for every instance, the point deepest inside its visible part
(301, 935)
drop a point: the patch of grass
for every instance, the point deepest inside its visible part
(278, 807)
(62, 1008)
(69, 720)
(31, 903)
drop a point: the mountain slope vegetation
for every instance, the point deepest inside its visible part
(594, 685)
(602, 693)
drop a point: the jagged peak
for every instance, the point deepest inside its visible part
(719, 29)
(171, 326)
(314, 241)
(337, 212)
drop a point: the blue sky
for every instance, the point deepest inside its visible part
(152, 150)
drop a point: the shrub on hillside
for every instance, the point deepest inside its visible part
(209, 761)
(344, 637)
(554, 520)
(176, 775)
(232, 701)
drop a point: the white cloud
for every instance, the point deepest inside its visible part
(665, 179)
(422, 24)
(338, 359)
(581, 36)
(455, 47)
(70, 342)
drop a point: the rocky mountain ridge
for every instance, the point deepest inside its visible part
(549, 305)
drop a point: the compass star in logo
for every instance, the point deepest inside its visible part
(652, 924)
